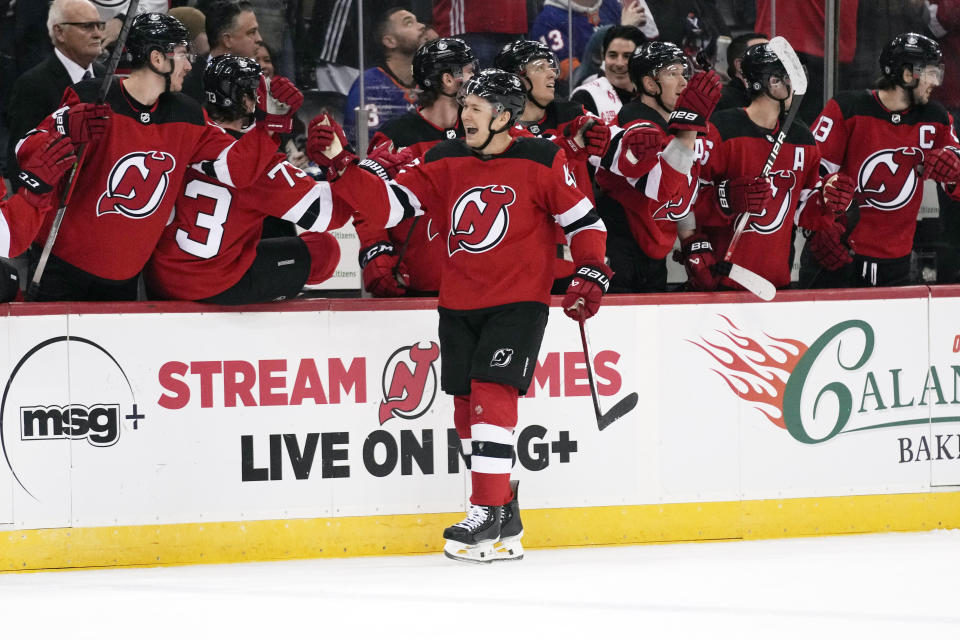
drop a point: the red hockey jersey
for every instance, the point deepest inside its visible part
(19, 223)
(737, 147)
(649, 207)
(425, 253)
(130, 178)
(557, 116)
(213, 238)
(497, 217)
(880, 149)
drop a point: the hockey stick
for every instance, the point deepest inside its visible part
(617, 411)
(111, 70)
(759, 286)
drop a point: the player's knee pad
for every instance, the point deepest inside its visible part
(324, 255)
(493, 403)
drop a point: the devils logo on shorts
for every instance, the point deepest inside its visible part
(137, 184)
(480, 219)
(887, 178)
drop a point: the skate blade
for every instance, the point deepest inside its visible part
(478, 554)
(508, 548)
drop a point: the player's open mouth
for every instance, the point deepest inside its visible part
(470, 130)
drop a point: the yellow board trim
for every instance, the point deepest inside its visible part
(216, 542)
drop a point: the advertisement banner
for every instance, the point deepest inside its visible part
(800, 399)
(318, 410)
(942, 445)
(169, 418)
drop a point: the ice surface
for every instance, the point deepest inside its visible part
(898, 585)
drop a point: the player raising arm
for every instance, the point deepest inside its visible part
(497, 201)
(889, 139)
(23, 213)
(738, 145)
(138, 147)
(212, 250)
(646, 177)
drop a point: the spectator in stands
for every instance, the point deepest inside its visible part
(389, 87)
(231, 28)
(735, 91)
(196, 23)
(76, 31)
(485, 26)
(632, 13)
(335, 46)
(553, 29)
(264, 58)
(604, 94)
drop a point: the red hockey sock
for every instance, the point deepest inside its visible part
(324, 255)
(461, 420)
(493, 416)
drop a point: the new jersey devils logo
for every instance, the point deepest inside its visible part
(778, 207)
(137, 184)
(672, 210)
(887, 179)
(408, 394)
(480, 219)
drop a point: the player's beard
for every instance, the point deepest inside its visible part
(920, 96)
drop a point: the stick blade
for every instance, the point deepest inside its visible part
(618, 410)
(786, 55)
(752, 282)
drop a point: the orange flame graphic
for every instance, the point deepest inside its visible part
(756, 373)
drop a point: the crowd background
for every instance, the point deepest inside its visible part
(324, 44)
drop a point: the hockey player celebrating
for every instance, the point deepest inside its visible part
(568, 124)
(646, 177)
(497, 201)
(132, 171)
(737, 146)
(212, 250)
(440, 68)
(890, 139)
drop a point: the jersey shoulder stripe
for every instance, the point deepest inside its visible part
(411, 128)
(866, 104)
(637, 110)
(171, 107)
(447, 149)
(534, 149)
(735, 123)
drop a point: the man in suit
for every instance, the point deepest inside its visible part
(231, 28)
(76, 32)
